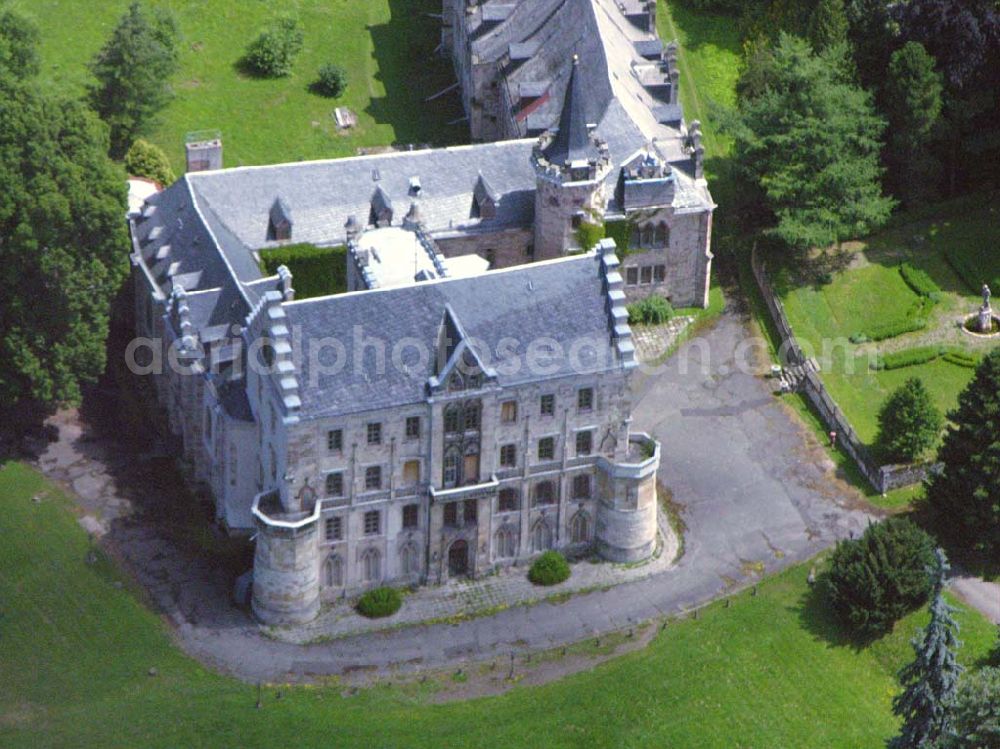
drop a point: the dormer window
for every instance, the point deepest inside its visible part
(279, 225)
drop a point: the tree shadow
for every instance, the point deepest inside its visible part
(818, 617)
(411, 70)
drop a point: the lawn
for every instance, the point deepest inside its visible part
(386, 46)
(870, 288)
(76, 647)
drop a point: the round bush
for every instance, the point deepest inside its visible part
(551, 568)
(876, 579)
(272, 53)
(147, 160)
(332, 80)
(380, 602)
(653, 310)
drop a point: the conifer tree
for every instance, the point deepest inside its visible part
(931, 680)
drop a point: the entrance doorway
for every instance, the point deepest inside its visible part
(458, 559)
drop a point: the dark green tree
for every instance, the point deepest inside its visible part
(827, 25)
(975, 711)
(965, 497)
(881, 576)
(908, 422)
(18, 45)
(132, 71)
(930, 681)
(872, 33)
(911, 101)
(63, 246)
(144, 159)
(809, 143)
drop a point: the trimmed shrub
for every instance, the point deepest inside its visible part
(272, 54)
(875, 580)
(331, 80)
(907, 357)
(380, 602)
(653, 310)
(316, 271)
(908, 422)
(147, 160)
(916, 319)
(962, 358)
(919, 281)
(551, 568)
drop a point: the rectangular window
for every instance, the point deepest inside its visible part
(581, 486)
(547, 404)
(584, 443)
(411, 516)
(373, 477)
(375, 433)
(659, 273)
(471, 416)
(373, 522)
(508, 500)
(547, 448)
(411, 472)
(335, 529)
(647, 274)
(545, 493)
(412, 427)
(451, 514)
(631, 276)
(585, 399)
(508, 456)
(335, 485)
(335, 440)
(508, 412)
(471, 511)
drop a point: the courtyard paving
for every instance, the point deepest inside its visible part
(753, 486)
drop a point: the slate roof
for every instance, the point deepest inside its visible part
(560, 299)
(323, 194)
(572, 142)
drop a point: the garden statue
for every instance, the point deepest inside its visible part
(985, 312)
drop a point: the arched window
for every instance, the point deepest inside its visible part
(579, 528)
(371, 566)
(662, 236)
(647, 236)
(635, 238)
(409, 560)
(545, 493)
(452, 419)
(505, 543)
(333, 572)
(541, 536)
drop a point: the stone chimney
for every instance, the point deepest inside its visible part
(204, 151)
(673, 72)
(285, 281)
(697, 149)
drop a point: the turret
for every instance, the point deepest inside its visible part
(570, 167)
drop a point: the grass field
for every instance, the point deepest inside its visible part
(386, 46)
(76, 647)
(871, 288)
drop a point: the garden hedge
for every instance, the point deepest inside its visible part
(316, 271)
(919, 281)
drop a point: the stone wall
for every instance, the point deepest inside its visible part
(882, 478)
(509, 247)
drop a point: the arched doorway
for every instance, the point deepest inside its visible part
(458, 559)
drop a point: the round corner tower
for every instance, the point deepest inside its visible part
(570, 167)
(627, 511)
(286, 563)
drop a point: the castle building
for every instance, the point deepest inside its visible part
(465, 404)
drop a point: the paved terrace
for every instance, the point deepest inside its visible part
(757, 493)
